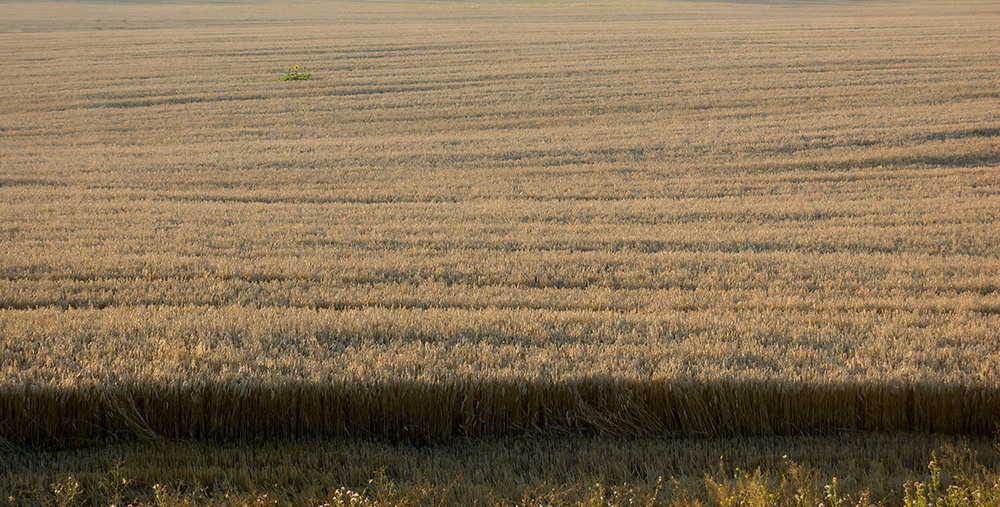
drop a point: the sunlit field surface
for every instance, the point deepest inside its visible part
(493, 219)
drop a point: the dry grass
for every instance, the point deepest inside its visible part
(487, 218)
(509, 471)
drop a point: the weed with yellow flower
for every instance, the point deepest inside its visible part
(294, 74)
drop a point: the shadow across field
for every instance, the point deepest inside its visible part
(403, 410)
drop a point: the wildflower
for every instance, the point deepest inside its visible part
(296, 67)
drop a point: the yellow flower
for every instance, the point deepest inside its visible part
(296, 67)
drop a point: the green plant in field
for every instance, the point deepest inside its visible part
(294, 73)
(931, 495)
(831, 495)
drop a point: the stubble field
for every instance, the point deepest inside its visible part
(615, 220)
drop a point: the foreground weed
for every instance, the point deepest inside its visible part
(743, 488)
(920, 494)
(65, 491)
(830, 496)
(114, 484)
(799, 484)
(344, 497)
(382, 489)
(599, 495)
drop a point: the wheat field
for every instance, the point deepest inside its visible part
(620, 218)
